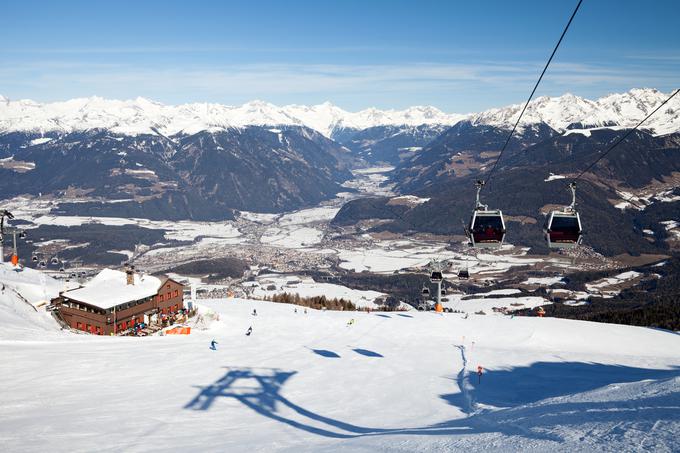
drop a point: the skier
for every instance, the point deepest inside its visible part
(249, 331)
(305, 311)
(254, 312)
(213, 345)
(296, 310)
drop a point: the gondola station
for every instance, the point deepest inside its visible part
(114, 302)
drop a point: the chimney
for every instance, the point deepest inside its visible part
(130, 274)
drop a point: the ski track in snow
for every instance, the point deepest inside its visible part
(464, 383)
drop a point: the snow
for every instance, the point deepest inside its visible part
(109, 288)
(544, 281)
(20, 321)
(499, 292)
(307, 287)
(614, 111)
(292, 237)
(487, 305)
(410, 200)
(390, 382)
(140, 172)
(318, 214)
(672, 227)
(36, 287)
(183, 230)
(598, 285)
(553, 177)
(143, 116)
(40, 141)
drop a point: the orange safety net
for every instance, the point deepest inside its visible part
(179, 331)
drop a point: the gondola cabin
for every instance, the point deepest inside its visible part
(436, 277)
(426, 291)
(464, 274)
(562, 229)
(486, 229)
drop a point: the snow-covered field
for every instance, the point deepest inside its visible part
(270, 284)
(309, 382)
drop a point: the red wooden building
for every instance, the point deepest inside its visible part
(114, 301)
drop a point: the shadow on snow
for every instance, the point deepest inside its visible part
(326, 353)
(367, 353)
(260, 390)
(541, 380)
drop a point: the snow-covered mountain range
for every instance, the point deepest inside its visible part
(143, 116)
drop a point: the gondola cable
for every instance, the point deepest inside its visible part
(563, 228)
(507, 141)
(630, 131)
(487, 226)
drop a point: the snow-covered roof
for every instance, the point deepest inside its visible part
(109, 288)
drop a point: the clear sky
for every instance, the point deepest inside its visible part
(460, 56)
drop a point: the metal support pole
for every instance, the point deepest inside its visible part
(478, 204)
(572, 206)
(439, 293)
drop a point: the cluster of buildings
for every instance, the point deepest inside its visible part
(114, 301)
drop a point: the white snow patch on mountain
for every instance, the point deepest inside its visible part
(553, 177)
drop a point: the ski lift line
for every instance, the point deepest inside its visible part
(507, 141)
(626, 135)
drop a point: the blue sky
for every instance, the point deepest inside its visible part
(460, 56)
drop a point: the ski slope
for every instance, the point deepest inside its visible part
(310, 382)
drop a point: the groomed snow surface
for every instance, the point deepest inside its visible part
(309, 382)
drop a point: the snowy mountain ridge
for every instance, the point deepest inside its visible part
(143, 116)
(573, 112)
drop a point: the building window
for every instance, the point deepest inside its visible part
(169, 295)
(176, 292)
(160, 298)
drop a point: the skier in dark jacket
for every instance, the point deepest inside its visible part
(213, 345)
(249, 331)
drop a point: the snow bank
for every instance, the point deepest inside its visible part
(35, 286)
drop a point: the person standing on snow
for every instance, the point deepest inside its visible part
(213, 345)
(249, 331)
(254, 312)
